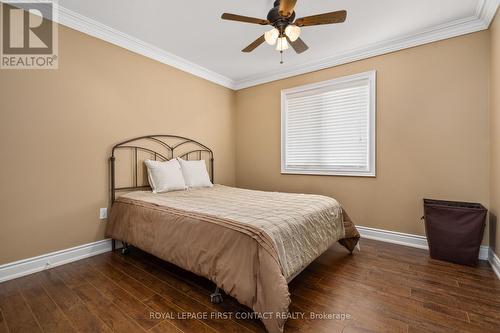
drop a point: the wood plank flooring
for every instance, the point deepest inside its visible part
(383, 288)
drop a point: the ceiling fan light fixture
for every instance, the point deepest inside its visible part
(282, 44)
(286, 29)
(293, 32)
(271, 36)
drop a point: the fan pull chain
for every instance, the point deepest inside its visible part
(281, 54)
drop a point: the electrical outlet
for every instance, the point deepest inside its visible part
(103, 213)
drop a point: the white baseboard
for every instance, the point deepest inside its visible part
(32, 265)
(407, 239)
(393, 237)
(494, 262)
(484, 253)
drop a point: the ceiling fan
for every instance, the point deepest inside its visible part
(285, 30)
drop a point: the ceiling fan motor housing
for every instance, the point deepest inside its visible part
(278, 21)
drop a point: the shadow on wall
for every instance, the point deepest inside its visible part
(493, 232)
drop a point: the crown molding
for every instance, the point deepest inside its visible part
(485, 12)
(96, 29)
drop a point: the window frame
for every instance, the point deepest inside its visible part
(371, 76)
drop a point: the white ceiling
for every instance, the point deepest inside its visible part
(193, 30)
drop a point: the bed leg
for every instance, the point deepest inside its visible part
(216, 296)
(113, 245)
(125, 248)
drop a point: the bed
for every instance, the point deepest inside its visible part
(251, 244)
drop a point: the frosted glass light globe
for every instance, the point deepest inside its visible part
(282, 44)
(293, 32)
(271, 36)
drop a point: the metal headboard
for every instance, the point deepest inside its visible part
(170, 145)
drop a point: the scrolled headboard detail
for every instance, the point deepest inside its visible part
(158, 148)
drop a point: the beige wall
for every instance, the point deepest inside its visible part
(432, 134)
(57, 127)
(495, 135)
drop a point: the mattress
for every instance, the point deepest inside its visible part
(250, 243)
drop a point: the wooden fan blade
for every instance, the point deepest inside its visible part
(287, 7)
(246, 19)
(254, 44)
(327, 18)
(299, 46)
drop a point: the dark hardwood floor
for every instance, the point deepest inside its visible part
(383, 288)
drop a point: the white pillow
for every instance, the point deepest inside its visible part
(165, 176)
(195, 173)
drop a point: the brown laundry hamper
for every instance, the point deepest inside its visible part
(454, 230)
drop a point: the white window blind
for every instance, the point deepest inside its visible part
(329, 127)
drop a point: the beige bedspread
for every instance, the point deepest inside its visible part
(250, 243)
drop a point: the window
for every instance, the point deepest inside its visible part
(328, 128)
